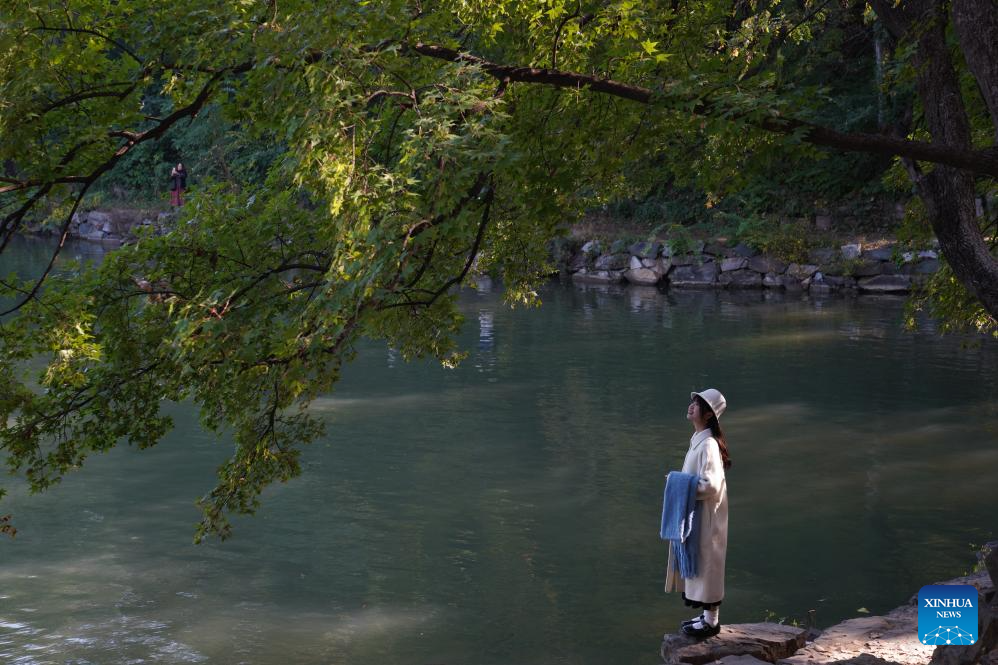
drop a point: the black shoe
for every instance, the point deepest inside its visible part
(706, 631)
(690, 622)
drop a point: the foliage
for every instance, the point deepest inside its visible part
(663, 206)
(679, 239)
(751, 174)
(6, 528)
(944, 298)
(211, 147)
(980, 553)
(354, 162)
(788, 240)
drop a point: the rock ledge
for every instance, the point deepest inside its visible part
(891, 639)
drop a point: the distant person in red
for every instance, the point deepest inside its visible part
(178, 180)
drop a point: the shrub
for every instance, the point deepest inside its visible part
(788, 240)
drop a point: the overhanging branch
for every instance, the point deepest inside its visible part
(982, 162)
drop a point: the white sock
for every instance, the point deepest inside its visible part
(712, 616)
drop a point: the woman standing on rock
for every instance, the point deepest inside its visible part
(178, 179)
(707, 458)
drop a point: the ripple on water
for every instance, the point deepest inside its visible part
(124, 639)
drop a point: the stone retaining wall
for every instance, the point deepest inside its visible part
(883, 269)
(110, 228)
(106, 227)
(851, 267)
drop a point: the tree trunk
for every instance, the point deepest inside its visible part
(948, 192)
(949, 201)
(976, 23)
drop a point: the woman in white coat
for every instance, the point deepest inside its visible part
(708, 458)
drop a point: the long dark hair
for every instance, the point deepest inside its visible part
(715, 430)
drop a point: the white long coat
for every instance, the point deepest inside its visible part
(704, 459)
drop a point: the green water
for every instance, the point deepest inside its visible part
(507, 511)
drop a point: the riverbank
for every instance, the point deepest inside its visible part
(852, 264)
(883, 267)
(889, 639)
(115, 227)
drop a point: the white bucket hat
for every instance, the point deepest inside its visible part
(715, 400)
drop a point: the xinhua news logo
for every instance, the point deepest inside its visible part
(947, 614)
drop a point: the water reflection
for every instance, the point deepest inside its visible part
(484, 284)
(507, 511)
(486, 335)
(644, 298)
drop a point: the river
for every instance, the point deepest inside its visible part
(507, 511)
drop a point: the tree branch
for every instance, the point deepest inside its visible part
(91, 93)
(88, 31)
(13, 220)
(426, 224)
(457, 279)
(557, 34)
(984, 162)
(63, 232)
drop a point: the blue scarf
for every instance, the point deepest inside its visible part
(681, 520)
